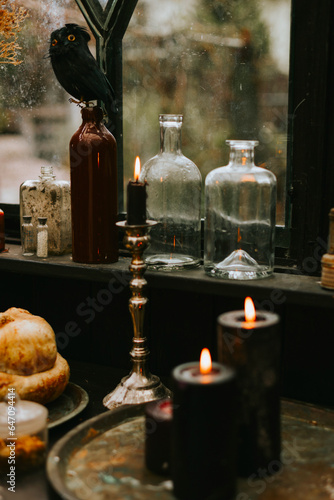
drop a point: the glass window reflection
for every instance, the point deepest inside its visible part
(223, 65)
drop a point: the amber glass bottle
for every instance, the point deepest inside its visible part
(93, 159)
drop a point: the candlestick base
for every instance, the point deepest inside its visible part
(136, 389)
(139, 386)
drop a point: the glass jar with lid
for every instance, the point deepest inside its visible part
(51, 198)
(173, 200)
(240, 213)
(23, 433)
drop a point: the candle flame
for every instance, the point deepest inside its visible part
(137, 168)
(205, 363)
(244, 159)
(250, 314)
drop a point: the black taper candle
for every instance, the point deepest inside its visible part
(136, 199)
(136, 203)
(253, 350)
(204, 441)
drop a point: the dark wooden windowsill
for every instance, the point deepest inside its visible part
(298, 289)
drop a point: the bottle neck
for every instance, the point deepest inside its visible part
(170, 133)
(92, 115)
(242, 157)
(242, 153)
(170, 140)
(47, 173)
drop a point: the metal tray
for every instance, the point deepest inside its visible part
(71, 402)
(103, 458)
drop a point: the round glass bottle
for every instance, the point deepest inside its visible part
(51, 198)
(240, 213)
(173, 200)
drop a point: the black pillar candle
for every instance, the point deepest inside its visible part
(204, 441)
(252, 348)
(159, 415)
(136, 199)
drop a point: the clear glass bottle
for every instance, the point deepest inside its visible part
(174, 186)
(51, 198)
(240, 213)
(28, 240)
(42, 237)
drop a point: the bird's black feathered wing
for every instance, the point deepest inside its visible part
(79, 73)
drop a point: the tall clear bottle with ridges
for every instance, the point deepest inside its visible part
(174, 201)
(240, 214)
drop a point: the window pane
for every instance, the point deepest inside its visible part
(36, 118)
(223, 65)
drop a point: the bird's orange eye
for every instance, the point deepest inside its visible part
(71, 38)
(54, 42)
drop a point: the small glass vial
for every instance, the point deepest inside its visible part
(42, 237)
(174, 186)
(28, 239)
(23, 434)
(240, 214)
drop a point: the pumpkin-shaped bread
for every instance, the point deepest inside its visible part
(29, 360)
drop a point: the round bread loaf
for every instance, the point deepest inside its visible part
(28, 357)
(27, 343)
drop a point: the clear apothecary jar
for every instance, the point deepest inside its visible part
(23, 435)
(174, 186)
(51, 198)
(240, 214)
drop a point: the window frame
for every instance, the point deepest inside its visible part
(310, 189)
(310, 131)
(108, 27)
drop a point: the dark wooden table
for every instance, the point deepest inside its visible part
(305, 419)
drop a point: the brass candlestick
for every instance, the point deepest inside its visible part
(140, 385)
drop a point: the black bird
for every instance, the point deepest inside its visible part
(76, 69)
